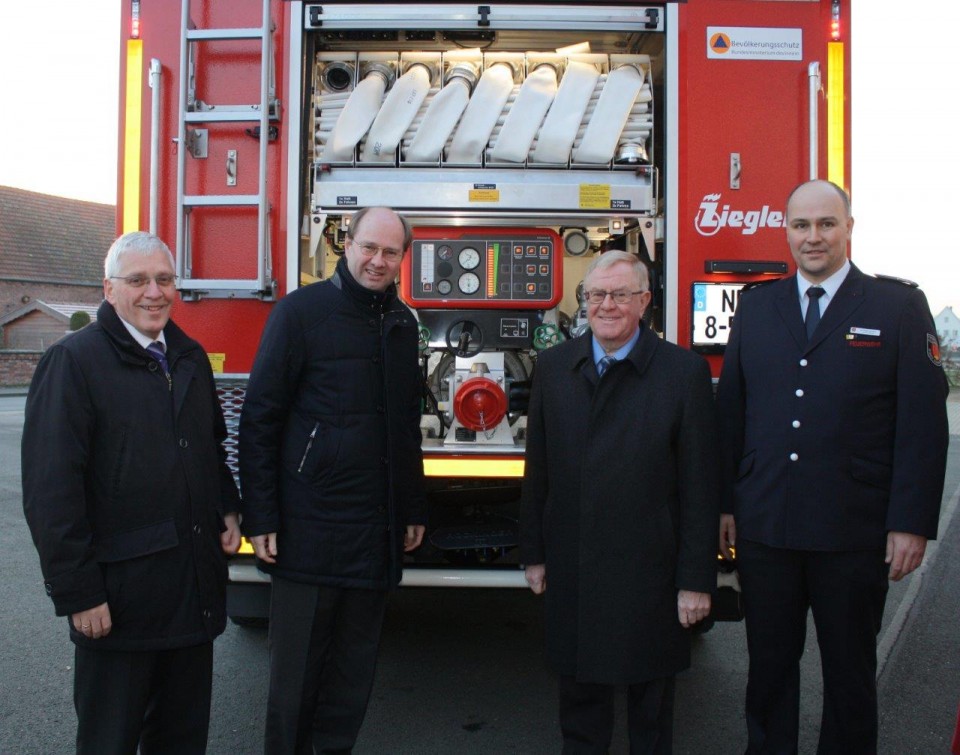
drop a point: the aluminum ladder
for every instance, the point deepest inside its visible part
(192, 142)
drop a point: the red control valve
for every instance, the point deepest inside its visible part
(480, 404)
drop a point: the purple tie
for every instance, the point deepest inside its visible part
(604, 364)
(155, 350)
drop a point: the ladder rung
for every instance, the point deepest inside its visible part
(214, 284)
(224, 116)
(221, 200)
(206, 35)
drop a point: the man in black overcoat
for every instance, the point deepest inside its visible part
(332, 479)
(132, 507)
(834, 432)
(620, 499)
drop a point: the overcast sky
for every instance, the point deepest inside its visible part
(59, 89)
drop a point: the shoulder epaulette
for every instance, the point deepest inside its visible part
(895, 279)
(756, 284)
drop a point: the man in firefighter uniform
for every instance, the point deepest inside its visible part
(332, 479)
(131, 505)
(834, 435)
(620, 499)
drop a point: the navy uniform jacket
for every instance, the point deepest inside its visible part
(830, 445)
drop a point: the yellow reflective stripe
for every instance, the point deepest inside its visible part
(472, 467)
(133, 114)
(836, 125)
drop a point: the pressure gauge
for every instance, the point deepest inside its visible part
(469, 258)
(469, 283)
(444, 287)
(444, 252)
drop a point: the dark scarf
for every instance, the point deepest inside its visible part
(367, 299)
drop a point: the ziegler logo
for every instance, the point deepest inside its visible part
(709, 222)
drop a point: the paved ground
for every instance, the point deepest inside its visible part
(462, 672)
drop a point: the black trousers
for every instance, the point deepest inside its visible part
(846, 591)
(586, 716)
(157, 699)
(323, 654)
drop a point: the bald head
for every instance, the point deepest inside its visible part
(819, 227)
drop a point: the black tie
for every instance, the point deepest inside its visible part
(604, 364)
(813, 310)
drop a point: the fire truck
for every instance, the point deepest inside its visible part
(520, 140)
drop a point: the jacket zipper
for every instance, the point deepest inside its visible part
(386, 416)
(313, 434)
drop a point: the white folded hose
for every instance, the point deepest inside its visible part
(526, 115)
(481, 114)
(560, 126)
(398, 110)
(442, 115)
(610, 116)
(357, 115)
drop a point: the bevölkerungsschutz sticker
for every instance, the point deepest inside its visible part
(754, 43)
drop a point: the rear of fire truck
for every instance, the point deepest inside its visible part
(520, 141)
(509, 201)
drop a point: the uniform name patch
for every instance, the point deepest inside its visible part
(864, 338)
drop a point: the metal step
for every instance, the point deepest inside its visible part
(470, 536)
(219, 114)
(207, 35)
(221, 200)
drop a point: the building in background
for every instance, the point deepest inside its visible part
(51, 265)
(38, 324)
(948, 329)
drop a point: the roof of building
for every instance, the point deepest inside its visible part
(53, 239)
(59, 310)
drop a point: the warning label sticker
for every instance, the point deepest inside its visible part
(594, 196)
(754, 43)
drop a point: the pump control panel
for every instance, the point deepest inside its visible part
(483, 268)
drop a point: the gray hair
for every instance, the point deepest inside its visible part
(138, 242)
(358, 218)
(611, 258)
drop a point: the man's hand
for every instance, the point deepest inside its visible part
(413, 537)
(692, 607)
(94, 622)
(904, 553)
(728, 535)
(536, 575)
(230, 537)
(265, 546)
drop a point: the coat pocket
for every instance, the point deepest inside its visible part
(746, 464)
(873, 473)
(666, 543)
(142, 541)
(318, 452)
(130, 571)
(306, 451)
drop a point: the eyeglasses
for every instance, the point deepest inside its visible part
(371, 250)
(139, 281)
(598, 295)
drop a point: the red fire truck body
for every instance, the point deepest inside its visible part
(251, 131)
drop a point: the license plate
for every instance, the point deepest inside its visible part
(714, 305)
